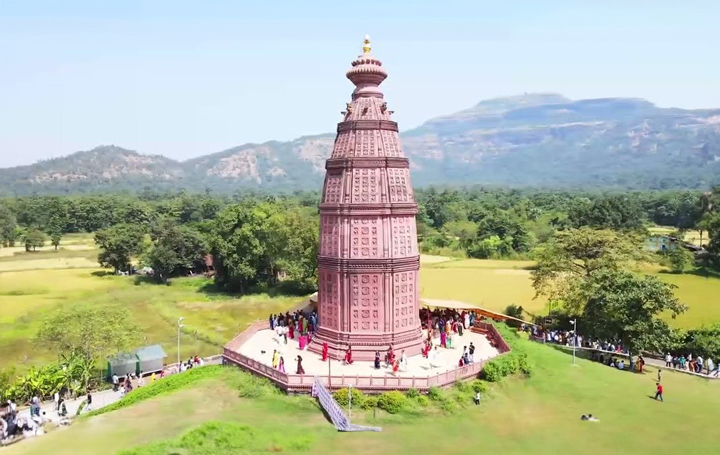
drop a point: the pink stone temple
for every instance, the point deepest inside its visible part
(369, 260)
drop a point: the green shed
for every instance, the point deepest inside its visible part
(122, 364)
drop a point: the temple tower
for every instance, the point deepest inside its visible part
(369, 260)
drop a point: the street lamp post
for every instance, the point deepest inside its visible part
(574, 323)
(179, 326)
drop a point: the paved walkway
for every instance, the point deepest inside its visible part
(261, 345)
(658, 363)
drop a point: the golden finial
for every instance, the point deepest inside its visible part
(366, 45)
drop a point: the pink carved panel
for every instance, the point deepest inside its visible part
(399, 183)
(329, 299)
(390, 143)
(365, 186)
(404, 236)
(365, 238)
(366, 302)
(330, 236)
(404, 302)
(341, 144)
(333, 189)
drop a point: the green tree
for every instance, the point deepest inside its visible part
(610, 212)
(90, 331)
(627, 307)
(33, 238)
(8, 224)
(680, 259)
(119, 244)
(175, 250)
(569, 260)
(55, 229)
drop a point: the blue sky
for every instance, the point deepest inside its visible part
(183, 78)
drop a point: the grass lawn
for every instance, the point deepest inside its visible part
(540, 414)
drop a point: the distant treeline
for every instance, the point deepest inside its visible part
(472, 221)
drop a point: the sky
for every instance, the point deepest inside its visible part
(186, 78)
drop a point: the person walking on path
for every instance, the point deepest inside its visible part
(659, 392)
(88, 406)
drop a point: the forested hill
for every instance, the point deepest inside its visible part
(531, 140)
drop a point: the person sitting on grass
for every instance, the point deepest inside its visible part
(589, 417)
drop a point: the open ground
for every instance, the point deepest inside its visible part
(34, 284)
(517, 416)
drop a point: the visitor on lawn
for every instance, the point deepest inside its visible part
(477, 398)
(659, 392)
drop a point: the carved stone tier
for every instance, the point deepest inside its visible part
(369, 262)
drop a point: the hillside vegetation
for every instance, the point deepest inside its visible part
(540, 140)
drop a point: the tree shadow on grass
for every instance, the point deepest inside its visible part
(703, 272)
(101, 273)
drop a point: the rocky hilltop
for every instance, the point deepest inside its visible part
(531, 140)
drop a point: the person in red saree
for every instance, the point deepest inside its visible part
(348, 360)
(390, 356)
(291, 331)
(426, 349)
(395, 366)
(325, 352)
(443, 339)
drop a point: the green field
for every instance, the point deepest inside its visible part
(37, 285)
(495, 284)
(540, 414)
(33, 284)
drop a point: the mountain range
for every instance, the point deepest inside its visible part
(530, 140)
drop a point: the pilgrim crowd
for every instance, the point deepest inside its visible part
(604, 351)
(442, 328)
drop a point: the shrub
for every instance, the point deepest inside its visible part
(524, 365)
(392, 402)
(412, 393)
(462, 386)
(448, 406)
(492, 372)
(479, 386)
(369, 403)
(342, 397)
(422, 400)
(435, 394)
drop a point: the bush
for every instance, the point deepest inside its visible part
(492, 372)
(422, 400)
(448, 406)
(412, 393)
(479, 386)
(392, 402)
(462, 386)
(524, 366)
(342, 397)
(369, 403)
(435, 394)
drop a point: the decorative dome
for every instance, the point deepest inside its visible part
(367, 73)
